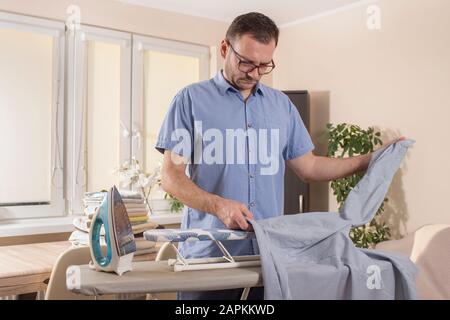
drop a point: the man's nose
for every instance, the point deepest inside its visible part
(254, 74)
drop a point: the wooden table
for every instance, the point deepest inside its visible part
(26, 268)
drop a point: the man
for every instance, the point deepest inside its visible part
(226, 194)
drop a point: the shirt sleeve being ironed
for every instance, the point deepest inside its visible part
(299, 141)
(177, 131)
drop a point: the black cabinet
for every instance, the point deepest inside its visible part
(296, 192)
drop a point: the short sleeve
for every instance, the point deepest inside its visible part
(299, 141)
(176, 133)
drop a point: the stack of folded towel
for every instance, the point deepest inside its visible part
(137, 213)
(136, 208)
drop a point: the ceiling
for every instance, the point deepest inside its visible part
(281, 11)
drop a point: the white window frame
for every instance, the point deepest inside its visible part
(77, 79)
(57, 202)
(141, 44)
(68, 106)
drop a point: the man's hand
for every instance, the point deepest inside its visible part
(233, 214)
(368, 157)
(312, 168)
(174, 181)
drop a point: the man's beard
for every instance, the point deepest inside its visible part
(235, 84)
(247, 78)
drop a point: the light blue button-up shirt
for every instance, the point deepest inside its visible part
(203, 124)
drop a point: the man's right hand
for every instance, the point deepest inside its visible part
(174, 181)
(233, 214)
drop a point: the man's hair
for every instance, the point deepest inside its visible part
(259, 26)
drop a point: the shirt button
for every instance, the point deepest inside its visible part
(249, 125)
(252, 204)
(251, 176)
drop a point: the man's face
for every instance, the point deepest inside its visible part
(249, 50)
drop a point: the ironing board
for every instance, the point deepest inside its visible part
(158, 277)
(221, 273)
(217, 235)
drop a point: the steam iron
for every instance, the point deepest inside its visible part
(119, 238)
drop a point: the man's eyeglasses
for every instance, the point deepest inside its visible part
(245, 66)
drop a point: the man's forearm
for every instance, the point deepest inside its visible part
(186, 191)
(327, 169)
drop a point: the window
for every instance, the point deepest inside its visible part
(101, 109)
(160, 69)
(31, 121)
(76, 104)
(164, 75)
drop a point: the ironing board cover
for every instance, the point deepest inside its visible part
(177, 235)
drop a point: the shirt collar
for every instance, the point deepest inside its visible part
(223, 85)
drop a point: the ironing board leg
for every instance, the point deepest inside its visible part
(245, 293)
(224, 250)
(179, 255)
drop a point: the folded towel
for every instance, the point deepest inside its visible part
(144, 227)
(131, 205)
(133, 212)
(128, 194)
(142, 244)
(127, 201)
(139, 219)
(137, 214)
(95, 194)
(95, 202)
(137, 210)
(83, 223)
(133, 224)
(92, 196)
(146, 251)
(79, 238)
(90, 211)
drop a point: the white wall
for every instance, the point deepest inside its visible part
(117, 15)
(396, 79)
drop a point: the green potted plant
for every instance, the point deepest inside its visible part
(131, 175)
(174, 204)
(351, 140)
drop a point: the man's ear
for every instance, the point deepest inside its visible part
(223, 48)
